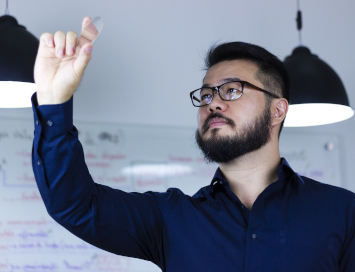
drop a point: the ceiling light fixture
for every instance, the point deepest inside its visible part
(18, 51)
(318, 96)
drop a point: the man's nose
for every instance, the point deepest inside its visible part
(217, 104)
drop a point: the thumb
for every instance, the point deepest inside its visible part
(83, 59)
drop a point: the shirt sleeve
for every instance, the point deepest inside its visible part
(128, 224)
(347, 261)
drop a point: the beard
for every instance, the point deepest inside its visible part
(224, 149)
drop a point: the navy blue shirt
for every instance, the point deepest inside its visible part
(295, 224)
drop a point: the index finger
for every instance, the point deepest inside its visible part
(90, 30)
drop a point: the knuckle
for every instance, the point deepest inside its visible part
(72, 37)
(59, 39)
(59, 34)
(46, 36)
(72, 34)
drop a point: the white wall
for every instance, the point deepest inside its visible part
(157, 47)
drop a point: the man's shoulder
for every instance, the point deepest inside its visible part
(173, 191)
(175, 194)
(315, 186)
(203, 192)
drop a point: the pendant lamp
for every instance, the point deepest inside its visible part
(18, 50)
(318, 96)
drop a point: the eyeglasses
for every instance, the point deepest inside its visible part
(228, 91)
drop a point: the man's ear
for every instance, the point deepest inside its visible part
(279, 108)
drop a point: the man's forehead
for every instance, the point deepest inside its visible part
(233, 69)
(221, 81)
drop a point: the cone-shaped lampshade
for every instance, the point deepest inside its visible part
(18, 50)
(318, 96)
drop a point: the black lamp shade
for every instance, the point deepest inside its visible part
(312, 80)
(318, 96)
(18, 50)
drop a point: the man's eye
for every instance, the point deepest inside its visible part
(205, 96)
(232, 94)
(232, 91)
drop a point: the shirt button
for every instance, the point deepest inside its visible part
(38, 162)
(37, 123)
(254, 236)
(49, 123)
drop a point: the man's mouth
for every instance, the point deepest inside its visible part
(216, 122)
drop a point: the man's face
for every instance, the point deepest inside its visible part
(230, 129)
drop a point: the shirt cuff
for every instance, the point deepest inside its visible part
(52, 120)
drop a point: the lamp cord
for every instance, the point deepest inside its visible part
(299, 22)
(7, 8)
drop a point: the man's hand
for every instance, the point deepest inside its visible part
(60, 65)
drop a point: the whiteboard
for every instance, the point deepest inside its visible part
(313, 155)
(126, 157)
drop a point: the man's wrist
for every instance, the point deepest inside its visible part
(48, 99)
(53, 119)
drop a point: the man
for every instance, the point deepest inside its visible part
(256, 215)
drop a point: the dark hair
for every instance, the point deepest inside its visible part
(272, 72)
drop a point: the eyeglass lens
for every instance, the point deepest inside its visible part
(228, 91)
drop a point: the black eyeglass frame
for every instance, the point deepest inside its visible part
(218, 88)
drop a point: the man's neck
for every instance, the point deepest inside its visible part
(250, 174)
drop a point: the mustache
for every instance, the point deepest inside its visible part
(216, 115)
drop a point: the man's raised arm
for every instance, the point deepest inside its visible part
(128, 224)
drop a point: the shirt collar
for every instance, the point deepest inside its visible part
(283, 171)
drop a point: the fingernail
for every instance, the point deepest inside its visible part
(60, 53)
(50, 43)
(88, 49)
(70, 50)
